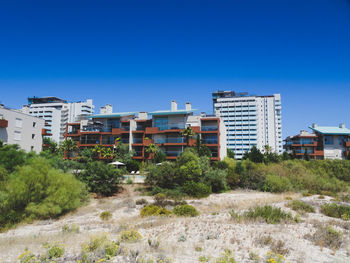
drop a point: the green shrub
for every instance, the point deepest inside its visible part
(216, 180)
(54, 250)
(226, 257)
(276, 184)
(141, 201)
(97, 249)
(130, 236)
(271, 215)
(105, 215)
(198, 190)
(153, 210)
(326, 236)
(36, 190)
(101, 178)
(301, 206)
(185, 210)
(159, 199)
(129, 181)
(337, 211)
(70, 229)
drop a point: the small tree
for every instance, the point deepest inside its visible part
(152, 149)
(306, 155)
(97, 150)
(50, 146)
(188, 133)
(254, 155)
(230, 154)
(69, 146)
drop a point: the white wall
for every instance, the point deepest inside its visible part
(22, 131)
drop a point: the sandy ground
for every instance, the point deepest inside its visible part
(184, 239)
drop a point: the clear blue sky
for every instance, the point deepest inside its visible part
(139, 55)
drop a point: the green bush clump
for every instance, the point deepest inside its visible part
(185, 210)
(130, 236)
(53, 250)
(271, 215)
(154, 210)
(277, 184)
(337, 211)
(98, 248)
(301, 206)
(327, 236)
(37, 190)
(105, 215)
(226, 257)
(70, 228)
(101, 178)
(198, 190)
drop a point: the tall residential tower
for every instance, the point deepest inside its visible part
(250, 120)
(57, 113)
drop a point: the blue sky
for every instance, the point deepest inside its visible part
(139, 55)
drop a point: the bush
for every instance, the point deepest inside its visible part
(101, 178)
(98, 249)
(153, 210)
(70, 229)
(141, 201)
(54, 251)
(105, 215)
(301, 206)
(198, 190)
(216, 179)
(276, 184)
(327, 237)
(185, 210)
(337, 211)
(130, 236)
(38, 191)
(271, 215)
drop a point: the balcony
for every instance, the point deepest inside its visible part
(210, 141)
(137, 140)
(173, 126)
(209, 128)
(4, 123)
(90, 141)
(170, 140)
(173, 153)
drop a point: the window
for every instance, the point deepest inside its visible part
(328, 140)
(161, 123)
(18, 123)
(34, 124)
(17, 135)
(33, 136)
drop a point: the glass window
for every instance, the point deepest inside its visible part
(161, 123)
(18, 122)
(17, 135)
(328, 140)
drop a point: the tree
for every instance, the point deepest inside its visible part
(189, 167)
(97, 150)
(306, 155)
(50, 145)
(285, 156)
(188, 133)
(152, 149)
(123, 153)
(230, 154)
(267, 149)
(254, 155)
(204, 151)
(11, 157)
(69, 146)
(101, 178)
(107, 153)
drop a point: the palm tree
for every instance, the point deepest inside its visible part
(68, 146)
(268, 149)
(188, 133)
(98, 149)
(107, 153)
(152, 149)
(50, 145)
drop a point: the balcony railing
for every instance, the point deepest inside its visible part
(170, 140)
(179, 126)
(209, 128)
(90, 141)
(92, 129)
(210, 141)
(173, 153)
(137, 140)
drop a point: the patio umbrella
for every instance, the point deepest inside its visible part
(116, 163)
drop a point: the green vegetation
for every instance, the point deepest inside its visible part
(185, 210)
(98, 249)
(326, 236)
(337, 211)
(301, 206)
(130, 236)
(105, 215)
(271, 215)
(153, 210)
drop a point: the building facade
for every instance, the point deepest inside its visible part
(22, 129)
(57, 113)
(250, 121)
(326, 142)
(139, 130)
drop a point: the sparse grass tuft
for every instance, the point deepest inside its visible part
(73, 228)
(141, 201)
(130, 236)
(326, 236)
(105, 215)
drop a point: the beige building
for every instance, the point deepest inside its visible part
(22, 129)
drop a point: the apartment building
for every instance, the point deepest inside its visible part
(22, 129)
(57, 113)
(250, 120)
(140, 129)
(326, 142)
